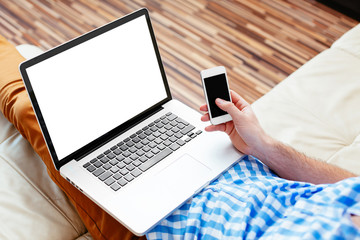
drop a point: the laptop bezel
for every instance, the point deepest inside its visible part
(95, 144)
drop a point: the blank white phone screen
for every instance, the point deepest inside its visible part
(94, 87)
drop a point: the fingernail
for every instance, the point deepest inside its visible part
(220, 101)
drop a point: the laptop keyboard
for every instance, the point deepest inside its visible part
(128, 159)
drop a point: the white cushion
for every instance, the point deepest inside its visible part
(316, 109)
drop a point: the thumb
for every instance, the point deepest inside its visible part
(228, 107)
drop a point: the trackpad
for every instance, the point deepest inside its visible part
(185, 173)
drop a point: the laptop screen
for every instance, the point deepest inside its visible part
(97, 85)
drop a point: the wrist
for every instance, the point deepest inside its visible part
(265, 148)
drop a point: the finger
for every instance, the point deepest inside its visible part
(239, 102)
(213, 128)
(205, 117)
(228, 107)
(204, 108)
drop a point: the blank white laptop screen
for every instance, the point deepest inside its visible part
(94, 87)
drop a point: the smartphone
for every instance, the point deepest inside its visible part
(215, 84)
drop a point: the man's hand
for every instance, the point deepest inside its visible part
(248, 137)
(244, 130)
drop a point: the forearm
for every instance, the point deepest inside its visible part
(290, 164)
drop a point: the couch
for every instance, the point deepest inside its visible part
(316, 110)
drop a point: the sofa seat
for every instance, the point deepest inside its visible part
(316, 110)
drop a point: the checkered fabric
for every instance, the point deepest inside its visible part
(250, 202)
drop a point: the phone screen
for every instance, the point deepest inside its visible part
(216, 87)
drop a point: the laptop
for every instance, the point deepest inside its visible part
(114, 131)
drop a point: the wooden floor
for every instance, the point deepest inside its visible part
(259, 42)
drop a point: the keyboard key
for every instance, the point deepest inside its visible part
(175, 129)
(139, 145)
(127, 161)
(122, 182)
(173, 123)
(152, 161)
(115, 186)
(163, 117)
(98, 164)
(98, 172)
(167, 142)
(180, 126)
(136, 140)
(146, 148)
(156, 134)
(134, 157)
(109, 181)
(120, 143)
(180, 120)
(145, 141)
(148, 132)
(113, 148)
(168, 114)
(150, 138)
(126, 154)
(168, 127)
(133, 135)
(161, 146)
(179, 135)
(137, 163)
(117, 151)
(169, 133)
(129, 177)
(93, 160)
(91, 168)
(175, 146)
(130, 167)
(159, 125)
(171, 117)
(199, 132)
(158, 141)
(180, 142)
(155, 151)
(124, 147)
(100, 156)
(164, 137)
(124, 171)
(120, 158)
(140, 152)
(130, 143)
(143, 159)
(136, 172)
(121, 165)
(187, 129)
(113, 162)
(107, 166)
(107, 152)
(162, 130)
(104, 160)
(117, 176)
(114, 169)
(154, 128)
(132, 149)
(151, 145)
(173, 139)
(86, 165)
(165, 121)
(126, 139)
(138, 132)
(111, 155)
(188, 139)
(145, 128)
(149, 155)
(157, 120)
(142, 136)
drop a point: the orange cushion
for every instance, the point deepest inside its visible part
(16, 107)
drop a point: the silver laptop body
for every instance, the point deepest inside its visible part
(112, 128)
